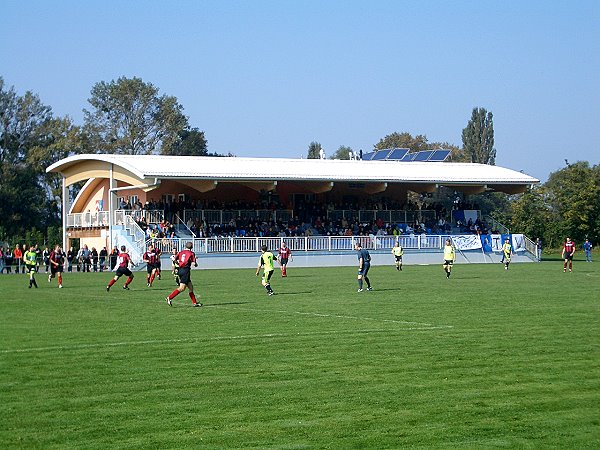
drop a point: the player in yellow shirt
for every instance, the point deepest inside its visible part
(506, 253)
(449, 257)
(266, 261)
(30, 258)
(398, 251)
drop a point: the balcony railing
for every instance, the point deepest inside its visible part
(99, 219)
(222, 216)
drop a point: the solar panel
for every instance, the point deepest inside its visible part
(368, 156)
(397, 154)
(439, 155)
(409, 156)
(423, 156)
(381, 154)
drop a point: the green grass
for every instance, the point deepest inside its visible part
(488, 359)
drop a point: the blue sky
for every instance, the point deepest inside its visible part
(266, 78)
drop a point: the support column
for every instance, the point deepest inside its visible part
(112, 197)
(65, 211)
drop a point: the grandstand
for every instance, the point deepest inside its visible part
(230, 205)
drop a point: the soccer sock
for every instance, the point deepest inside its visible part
(173, 294)
(193, 297)
(111, 282)
(368, 282)
(59, 279)
(360, 283)
(129, 280)
(34, 282)
(151, 279)
(570, 265)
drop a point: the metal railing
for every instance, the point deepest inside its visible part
(223, 216)
(88, 219)
(493, 224)
(387, 215)
(97, 219)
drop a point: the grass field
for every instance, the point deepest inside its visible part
(488, 359)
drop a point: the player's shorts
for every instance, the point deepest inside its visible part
(267, 276)
(507, 257)
(364, 270)
(150, 267)
(398, 258)
(124, 271)
(56, 269)
(184, 275)
(283, 261)
(569, 256)
(448, 262)
(31, 268)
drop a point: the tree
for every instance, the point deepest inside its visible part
(574, 195)
(403, 140)
(530, 214)
(21, 118)
(61, 138)
(23, 126)
(478, 137)
(342, 152)
(191, 142)
(314, 150)
(129, 116)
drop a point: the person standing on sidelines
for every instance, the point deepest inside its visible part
(506, 252)
(185, 259)
(587, 248)
(122, 266)
(266, 262)
(364, 264)
(57, 265)
(449, 257)
(18, 258)
(398, 252)
(30, 259)
(284, 254)
(567, 254)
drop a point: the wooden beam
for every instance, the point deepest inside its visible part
(375, 188)
(260, 185)
(320, 188)
(199, 185)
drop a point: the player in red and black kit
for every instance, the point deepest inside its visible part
(123, 261)
(567, 254)
(57, 263)
(185, 259)
(151, 258)
(284, 254)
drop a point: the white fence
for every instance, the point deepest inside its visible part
(304, 244)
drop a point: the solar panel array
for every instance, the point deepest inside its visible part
(403, 154)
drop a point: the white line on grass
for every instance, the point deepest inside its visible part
(204, 339)
(335, 316)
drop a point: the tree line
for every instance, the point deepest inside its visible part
(130, 116)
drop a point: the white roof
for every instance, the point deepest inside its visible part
(272, 169)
